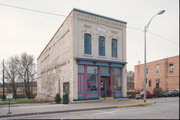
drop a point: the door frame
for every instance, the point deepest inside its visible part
(106, 84)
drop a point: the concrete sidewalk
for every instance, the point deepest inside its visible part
(38, 108)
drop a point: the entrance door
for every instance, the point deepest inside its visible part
(105, 87)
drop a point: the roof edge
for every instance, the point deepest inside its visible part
(83, 11)
(159, 60)
(54, 34)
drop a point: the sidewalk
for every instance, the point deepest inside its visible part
(38, 108)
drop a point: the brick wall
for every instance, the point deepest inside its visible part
(167, 80)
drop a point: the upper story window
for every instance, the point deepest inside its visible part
(87, 43)
(114, 48)
(147, 70)
(101, 46)
(149, 83)
(157, 69)
(171, 68)
(157, 83)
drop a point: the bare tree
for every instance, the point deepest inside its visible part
(11, 74)
(27, 72)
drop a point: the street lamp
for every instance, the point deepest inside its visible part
(145, 66)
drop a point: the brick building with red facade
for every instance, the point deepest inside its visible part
(162, 73)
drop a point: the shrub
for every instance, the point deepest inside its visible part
(58, 98)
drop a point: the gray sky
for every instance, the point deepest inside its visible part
(28, 31)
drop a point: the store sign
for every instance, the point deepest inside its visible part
(9, 96)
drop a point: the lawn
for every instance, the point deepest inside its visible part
(16, 101)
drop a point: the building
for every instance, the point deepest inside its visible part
(162, 74)
(86, 58)
(130, 81)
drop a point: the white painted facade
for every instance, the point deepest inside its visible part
(57, 63)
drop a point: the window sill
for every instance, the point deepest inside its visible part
(114, 58)
(102, 57)
(87, 55)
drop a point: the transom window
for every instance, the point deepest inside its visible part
(80, 68)
(105, 70)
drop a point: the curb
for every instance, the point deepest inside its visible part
(105, 100)
(114, 100)
(139, 104)
(75, 110)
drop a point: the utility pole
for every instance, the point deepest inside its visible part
(3, 83)
(145, 64)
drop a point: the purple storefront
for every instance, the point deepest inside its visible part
(99, 78)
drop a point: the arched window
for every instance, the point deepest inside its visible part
(87, 43)
(101, 46)
(114, 48)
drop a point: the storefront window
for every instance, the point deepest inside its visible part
(92, 72)
(116, 78)
(92, 82)
(105, 70)
(80, 68)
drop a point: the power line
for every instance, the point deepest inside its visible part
(135, 28)
(50, 13)
(44, 12)
(163, 38)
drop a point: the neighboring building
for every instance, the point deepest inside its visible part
(162, 73)
(130, 81)
(85, 58)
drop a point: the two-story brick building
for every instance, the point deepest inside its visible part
(85, 58)
(162, 74)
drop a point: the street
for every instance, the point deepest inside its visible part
(165, 108)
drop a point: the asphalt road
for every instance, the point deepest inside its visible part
(165, 108)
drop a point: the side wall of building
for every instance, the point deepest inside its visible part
(55, 63)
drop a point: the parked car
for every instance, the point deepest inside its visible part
(132, 95)
(171, 93)
(148, 94)
(138, 96)
(161, 94)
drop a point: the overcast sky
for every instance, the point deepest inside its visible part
(28, 31)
